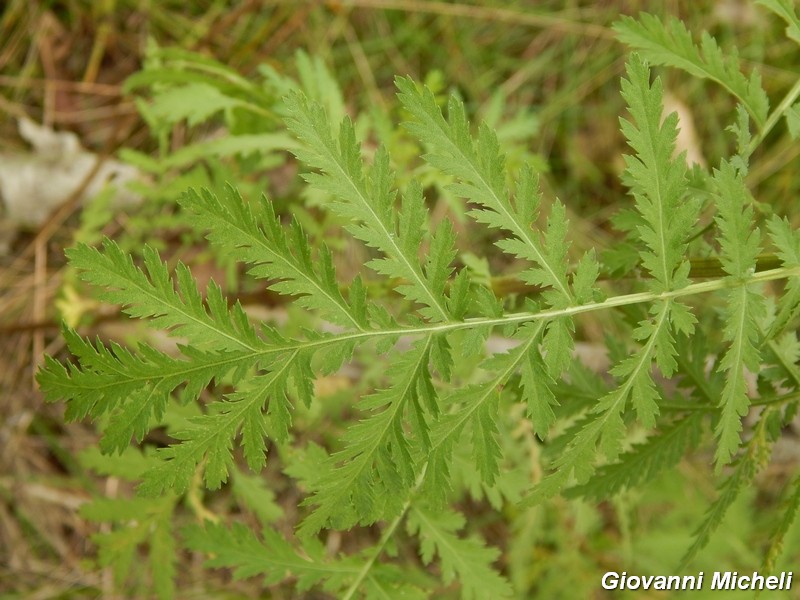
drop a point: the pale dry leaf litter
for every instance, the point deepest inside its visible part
(32, 185)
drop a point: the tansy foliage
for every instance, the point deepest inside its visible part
(671, 44)
(401, 461)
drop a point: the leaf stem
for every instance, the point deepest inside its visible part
(386, 536)
(700, 268)
(702, 287)
(775, 116)
(764, 401)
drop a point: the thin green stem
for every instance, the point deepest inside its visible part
(421, 477)
(700, 268)
(385, 537)
(766, 401)
(703, 287)
(775, 116)
(782, 399)
(686, 407)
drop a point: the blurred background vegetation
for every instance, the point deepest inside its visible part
(544, 73)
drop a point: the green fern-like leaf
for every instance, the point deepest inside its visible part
(153, 295)
(671, 44)
(478, 166)
(739, 243)
(376, 465)
(258, 238)
(137, 521)
(787, 241)
(658, 186)
(476, 406)
(271, 556)
(787, 11)
(366, 201)
(211, 436)
(659, 180)
(756, 456)
(135, 387)
(790, 507)
(643, 462)
(440, 416)
(467, 561)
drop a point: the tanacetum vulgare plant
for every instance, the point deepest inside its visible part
(705, 285)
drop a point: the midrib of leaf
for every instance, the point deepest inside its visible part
(291, 566)
(244, 406)
(174, 305)
(332, 491)
(306, 566)
(387, 235)
(775, 116)
(521, 232)
(545, 315)
(790, 367)
(345, 309)
(595, 428)
(645, 358)
(526, 235)
(190, 368)
(735, 93)
(490, 387)
(633, 33)
(659, 178)
(441, 540)
(144, 403)
(189, 450)
(740, 328)
(365, 457)
(729, 400)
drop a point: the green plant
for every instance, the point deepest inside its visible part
(438, 426)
